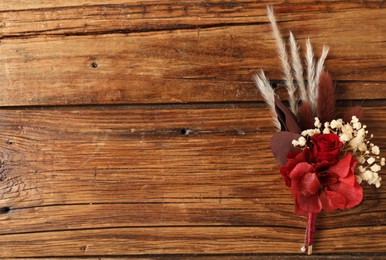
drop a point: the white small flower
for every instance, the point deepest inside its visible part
(347, 129)
(362, 147)
(378, 184)
(371, 160)
(357, 125)
(295, 142)
(354, 119)
(375, 168)
(358, 178)
(375, 150)
(367, 175)
(344, 138)
(317, 123)
(383, 162)
(361, 169)
(326, 130)
(302, 141)
(310, 132)
(335, 124)
(361, 159)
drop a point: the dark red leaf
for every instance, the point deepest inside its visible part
(286, 118)
(281, 144)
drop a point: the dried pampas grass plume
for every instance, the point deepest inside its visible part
(320, 68)
(311, 74)
(268, 94)
(311, 104)
(298, 68)
(284, 60)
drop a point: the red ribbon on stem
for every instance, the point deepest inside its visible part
(310, 232)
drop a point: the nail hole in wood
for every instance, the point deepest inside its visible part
(185, 131)
(5, 210)
(9, 141)
(94, 65)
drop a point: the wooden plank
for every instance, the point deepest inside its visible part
(106, 153)
(277, 211)
(169, 181)
(100, 54)
(183, 240)
(128, 182)
(81, 17)
(359, 256)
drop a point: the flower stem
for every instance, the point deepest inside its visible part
(310, 231)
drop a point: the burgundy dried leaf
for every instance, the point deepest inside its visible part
(325, 107)
(353, 111)
(286, 118)
(281, 144)
(306, 117)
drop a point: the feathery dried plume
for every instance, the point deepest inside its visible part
(326, 98)
(306, 117)
(353, 111)
(284, 60)
(268, 94)
(320, 67)
(298, 68)
(311, 74)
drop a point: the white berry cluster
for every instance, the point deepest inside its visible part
(355, 138)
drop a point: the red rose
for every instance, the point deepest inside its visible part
(324, 185)
(326, 147)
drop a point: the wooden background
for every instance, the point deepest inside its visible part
(133, 128)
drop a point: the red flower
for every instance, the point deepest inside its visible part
(342, 191)
(326, 147)
(324, 185)
(294, 158)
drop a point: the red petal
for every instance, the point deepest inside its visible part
(310, 184)
(342, 167)
(304, 156)
(349, 180)
(332, 200)
(309, 204)
(300, 170)
(352, 194)
(298, 210)
(322, 166)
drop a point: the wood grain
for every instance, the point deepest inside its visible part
(133, 173)
(183, 240)
(99, 159)
(121, 53)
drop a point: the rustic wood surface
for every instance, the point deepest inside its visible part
(133, 128)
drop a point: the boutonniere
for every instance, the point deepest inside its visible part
(323, 159)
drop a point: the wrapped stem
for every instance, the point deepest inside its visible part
(310, 232)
